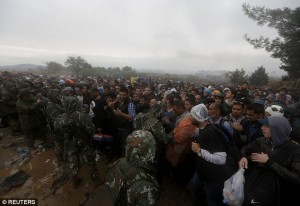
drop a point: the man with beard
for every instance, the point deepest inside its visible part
(124, 112)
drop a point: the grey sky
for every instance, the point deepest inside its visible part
(172, 35)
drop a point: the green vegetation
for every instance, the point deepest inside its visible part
(286, 47)
(259, 77)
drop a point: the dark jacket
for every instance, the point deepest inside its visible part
(122, 122)
(278, 181)
(212, 141)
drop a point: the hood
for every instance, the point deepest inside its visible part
(140, 149)
(280, 129)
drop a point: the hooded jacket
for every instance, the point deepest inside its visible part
(283, 164)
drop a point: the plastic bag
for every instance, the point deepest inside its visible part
(233, 191)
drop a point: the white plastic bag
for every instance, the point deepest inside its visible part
(233, 191)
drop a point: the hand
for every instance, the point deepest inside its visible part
(117, 112)
(196, 147)
(111, 105)
(165, 120)
(243, 163)
(261, 158)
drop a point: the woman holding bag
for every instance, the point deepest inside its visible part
(272, 164)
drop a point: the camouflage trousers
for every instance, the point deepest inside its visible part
(78, 153)
(59, 147)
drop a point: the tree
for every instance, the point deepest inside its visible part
(286, 47)
(238, 77)
(54, 67)
(77, 64)
(259, 77)
(128, 72)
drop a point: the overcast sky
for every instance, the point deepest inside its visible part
(172, 35)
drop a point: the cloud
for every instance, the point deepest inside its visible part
(158, 34)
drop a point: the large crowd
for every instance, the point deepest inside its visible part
(197, 135)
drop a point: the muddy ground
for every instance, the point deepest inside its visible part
(41, 167)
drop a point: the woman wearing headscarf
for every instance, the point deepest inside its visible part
(272, 165)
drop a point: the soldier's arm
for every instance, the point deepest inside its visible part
(160, 134)
(88, 124)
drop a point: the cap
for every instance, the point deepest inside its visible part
(68, 88)
(275, 110)
(199, 112)
(100, 90)
(226, 89)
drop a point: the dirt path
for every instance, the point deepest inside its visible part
(41, 168)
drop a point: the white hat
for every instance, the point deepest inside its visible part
(199, 112)
(275, 110)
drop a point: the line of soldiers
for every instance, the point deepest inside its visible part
(34, 115)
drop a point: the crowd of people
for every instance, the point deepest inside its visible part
(149, 130)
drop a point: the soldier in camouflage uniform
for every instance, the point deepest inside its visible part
(31, 115)
(54, 110)
(3, 116)
(9, 106)
(78, 130)
(150, 122)
(130, 180)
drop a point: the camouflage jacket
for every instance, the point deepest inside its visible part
(53, 110)
(9, 101)
(148, 122)
(131, 185)
(31, 115)
(76, 123)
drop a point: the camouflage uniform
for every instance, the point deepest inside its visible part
(150, 122)
(130, 180)
(78, 131)
(9, 107)
(31, 115)
(54, 110)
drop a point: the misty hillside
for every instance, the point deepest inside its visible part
(22, 67)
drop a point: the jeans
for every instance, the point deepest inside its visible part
(206, 193)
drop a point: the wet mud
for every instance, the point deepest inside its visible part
(41, 168)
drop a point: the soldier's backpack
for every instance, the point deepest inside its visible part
(121, 176)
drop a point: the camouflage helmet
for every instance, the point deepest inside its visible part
(140, 149)
(8, 84)
(70, 103)
(53, 93)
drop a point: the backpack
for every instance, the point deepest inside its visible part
(229, 138)
(121, 176)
